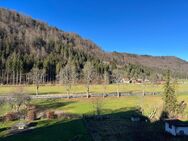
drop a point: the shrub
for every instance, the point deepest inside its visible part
(51, 115)
(31, 107)
(31, 115)
(11, 117)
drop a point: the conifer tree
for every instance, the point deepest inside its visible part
(169, 97)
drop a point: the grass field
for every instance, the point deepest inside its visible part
(57, 89)
(66, 130)
(69, 129)
(52, 131)
(108, 105)
(84, 106)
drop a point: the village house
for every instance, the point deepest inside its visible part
(147, 81)
(176, 127)
(125, 81)
(130, 81)
(139, 81)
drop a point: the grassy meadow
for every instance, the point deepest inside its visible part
(79, 89)
(72, 129)
(69, 129)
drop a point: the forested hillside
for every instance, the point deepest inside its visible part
(28, 46)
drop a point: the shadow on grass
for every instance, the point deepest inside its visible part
(52, 104)
(60, 131)
(2, 129)
(116, 126)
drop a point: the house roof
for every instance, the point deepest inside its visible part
(176, 122)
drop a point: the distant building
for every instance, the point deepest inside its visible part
(147, 81)
(21, 126)
(125, 81)
(176, 127)
(161, 82)
(139, 81)
(135, 81)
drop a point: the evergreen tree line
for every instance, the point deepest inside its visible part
(17, 67)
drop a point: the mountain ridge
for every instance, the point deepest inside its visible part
(37, 40)
(61, 30)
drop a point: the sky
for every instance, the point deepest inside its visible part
(147, 27)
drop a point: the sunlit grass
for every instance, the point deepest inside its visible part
(77, 89)
(86, 106)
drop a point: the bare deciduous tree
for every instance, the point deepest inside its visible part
(66, 78)
(74, 73)
(106, 82)
(18, 99)
(37, 76)
(117, 76)
(89, 74)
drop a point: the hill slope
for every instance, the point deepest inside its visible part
(157, 62)
(26, 43)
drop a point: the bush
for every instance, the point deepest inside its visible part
(1, 119)
(31, 115)
(51, 115)
(11, 117)
(31, 107)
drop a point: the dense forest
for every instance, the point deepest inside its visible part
(29, 47)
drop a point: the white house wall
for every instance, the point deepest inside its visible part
(184, 129)
(170, 130)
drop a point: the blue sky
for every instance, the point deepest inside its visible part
(154, 27)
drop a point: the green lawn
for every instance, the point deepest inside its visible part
(65, 130)
(57, 89)
(84, 105)
(54, 131)
(110, 104)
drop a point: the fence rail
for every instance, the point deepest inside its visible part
(56, 96)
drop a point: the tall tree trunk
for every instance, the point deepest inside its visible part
(7, 78)
(27, 79)
(37, 90)
(17, 77)
(68, 94)
(104, 93)
(20, 77)
(13, 78)
(88, 91)
(1, 80)
(43, 79)
(143, 92)
(3, 76)
(118, 94)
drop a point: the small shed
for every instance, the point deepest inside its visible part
(21, 126)
(176, 127)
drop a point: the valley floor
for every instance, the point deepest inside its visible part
(98, 89)
(116, 127)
